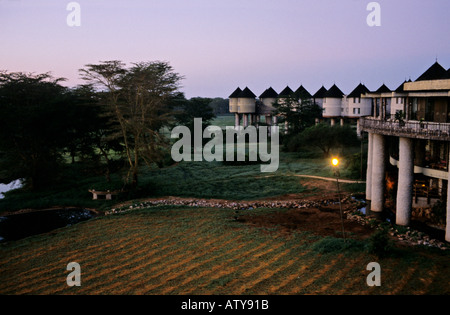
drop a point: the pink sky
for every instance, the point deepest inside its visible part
(220, 45)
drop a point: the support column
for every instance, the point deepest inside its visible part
(237, 120)
(245, 120)
(269, 124)
(405, 182)
(378, 172)
(369, 167)
(332, 122)
(358, 127)
(342, 121)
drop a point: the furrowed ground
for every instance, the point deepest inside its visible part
(177, 250)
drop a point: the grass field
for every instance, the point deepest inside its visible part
(185, 179)
(180, 250)
(177, 250)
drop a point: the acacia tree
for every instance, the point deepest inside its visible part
(140, 98)
(93, 138)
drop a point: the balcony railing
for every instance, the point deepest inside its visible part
(408, 129)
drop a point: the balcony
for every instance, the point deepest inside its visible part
(408, 129)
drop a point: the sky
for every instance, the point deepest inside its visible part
(218, 46)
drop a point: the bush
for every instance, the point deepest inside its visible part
(379, 243)
(330, 245)
(354, 166)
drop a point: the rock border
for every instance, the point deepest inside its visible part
(411, 236)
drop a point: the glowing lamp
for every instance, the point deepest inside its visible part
(335, 162)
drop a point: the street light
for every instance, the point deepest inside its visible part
(335, 163)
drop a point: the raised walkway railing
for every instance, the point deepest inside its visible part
(408, 129)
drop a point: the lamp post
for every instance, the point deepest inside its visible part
(335, 163)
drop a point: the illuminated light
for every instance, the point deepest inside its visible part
(335, 162)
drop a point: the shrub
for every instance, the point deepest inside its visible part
(379, 243)
(330, 245)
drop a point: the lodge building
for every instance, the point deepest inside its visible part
(408, 131)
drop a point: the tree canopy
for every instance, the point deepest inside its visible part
(139, 98)
(38, 124)
(324, 137)
(299, 113)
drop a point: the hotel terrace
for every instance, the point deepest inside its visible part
(408, 131)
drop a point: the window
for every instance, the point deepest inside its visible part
(356, 111)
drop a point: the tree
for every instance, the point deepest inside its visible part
(298, 113)
(220, 106)
(140, 99)
(325, 137)
(197, 107)
(93, 133)
(35, 124)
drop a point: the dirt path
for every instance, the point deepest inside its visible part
(348, 181)
(332, 179)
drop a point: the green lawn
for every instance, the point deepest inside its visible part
(185, 179)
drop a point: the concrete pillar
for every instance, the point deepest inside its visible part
(378, 172)
(237, 120)
(269, 124)
(317, 121)
(245, 120)
(369, 167)
(447, 227)
(275, 120)
(342, 121)
(332, 122)
(405, 182)
(358, 127)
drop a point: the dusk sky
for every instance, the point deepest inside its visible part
(220, 45)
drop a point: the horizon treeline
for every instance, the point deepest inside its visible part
(115, 121)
